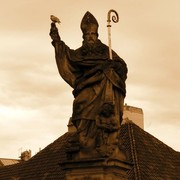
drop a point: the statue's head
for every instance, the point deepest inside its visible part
(89, 27)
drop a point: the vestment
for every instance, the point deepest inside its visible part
(96, 80)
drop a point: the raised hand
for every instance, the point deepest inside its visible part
(54, 33)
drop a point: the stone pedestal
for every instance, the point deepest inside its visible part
(96, 169)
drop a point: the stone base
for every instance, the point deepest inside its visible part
(96, 169)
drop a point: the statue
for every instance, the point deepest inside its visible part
(98, 84)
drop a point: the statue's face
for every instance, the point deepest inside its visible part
(90, 36)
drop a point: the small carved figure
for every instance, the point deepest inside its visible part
(107, 128)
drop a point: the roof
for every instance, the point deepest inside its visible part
(7, 162)
(44, 165)
(151, 158)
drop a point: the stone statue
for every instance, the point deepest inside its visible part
(98, 84)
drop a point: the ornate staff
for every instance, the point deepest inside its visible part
(115, 19)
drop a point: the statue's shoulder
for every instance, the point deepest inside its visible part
(78, 50)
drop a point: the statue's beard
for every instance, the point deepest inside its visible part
(91, 46)
(92, 49)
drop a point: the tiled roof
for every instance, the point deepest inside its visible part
(43, 165)
(152, 159)
(7, 162)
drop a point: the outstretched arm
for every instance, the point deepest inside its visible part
(62, 55)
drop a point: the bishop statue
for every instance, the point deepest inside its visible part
(98, 84)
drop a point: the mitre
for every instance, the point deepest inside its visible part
(88, 21)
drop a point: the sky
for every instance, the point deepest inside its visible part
(36, 104)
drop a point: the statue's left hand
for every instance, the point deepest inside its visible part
(118, 67)
(107, 64)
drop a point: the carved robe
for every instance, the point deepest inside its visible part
(96, 80)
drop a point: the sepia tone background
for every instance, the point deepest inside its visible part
(35, 103)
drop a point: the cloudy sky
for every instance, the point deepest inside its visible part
(35, 103)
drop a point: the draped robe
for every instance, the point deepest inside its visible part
(95, 79)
